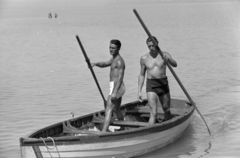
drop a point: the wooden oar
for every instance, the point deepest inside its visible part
(90, 67)
(169, 66)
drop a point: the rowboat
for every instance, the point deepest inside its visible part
(81, 137)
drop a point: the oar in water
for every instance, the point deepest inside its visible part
(90, 67)
(169, 66)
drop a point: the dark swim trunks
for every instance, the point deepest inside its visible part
(158, 86)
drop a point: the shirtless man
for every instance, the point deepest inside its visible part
(157, 84)
(117, 88)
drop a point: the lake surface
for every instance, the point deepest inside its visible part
(44, 76)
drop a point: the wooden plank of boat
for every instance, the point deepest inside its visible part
(130, 123)
(83, 143)
(146, 110)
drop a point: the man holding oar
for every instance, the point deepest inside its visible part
(169, 66)
(157, 84)
(117, 88)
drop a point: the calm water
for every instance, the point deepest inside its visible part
(44, 77)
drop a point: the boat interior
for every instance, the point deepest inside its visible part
(136, 115)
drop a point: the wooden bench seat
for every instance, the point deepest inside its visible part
(124, 123)
(130, 123)
(142, 111)
(159, 116)
(146, 110)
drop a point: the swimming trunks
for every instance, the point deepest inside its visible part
(158, 86)
(120, 91)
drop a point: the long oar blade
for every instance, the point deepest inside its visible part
(169, 66)
(90, 67)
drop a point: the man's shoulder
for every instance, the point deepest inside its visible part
(145, 56)
(120, 61)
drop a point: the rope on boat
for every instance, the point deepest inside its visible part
(48, 148)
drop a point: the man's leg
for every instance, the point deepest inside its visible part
(152, 101)
(165, 100)
(108, 114)
(117, 104)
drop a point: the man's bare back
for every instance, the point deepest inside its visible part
(117, 64)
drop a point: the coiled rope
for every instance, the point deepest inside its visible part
(48, 148)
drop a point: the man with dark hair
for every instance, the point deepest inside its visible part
(157, 84)
(117, 88)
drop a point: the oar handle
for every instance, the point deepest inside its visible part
(91, 69)
(169, 66)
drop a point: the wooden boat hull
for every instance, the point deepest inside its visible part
(122, 144)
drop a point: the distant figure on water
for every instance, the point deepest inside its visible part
(157, 83)
(72, 114)
(117, 88)
(50, 15)
(56, 15)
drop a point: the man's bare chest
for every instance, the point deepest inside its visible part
(151, 63)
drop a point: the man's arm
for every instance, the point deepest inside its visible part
(167, 58)
(102, 64)
(141, 78)
(120, 71)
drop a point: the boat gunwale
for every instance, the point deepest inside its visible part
(27, 141)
